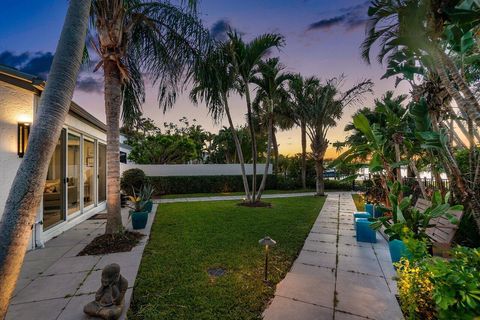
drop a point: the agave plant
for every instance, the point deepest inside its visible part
(137, 201)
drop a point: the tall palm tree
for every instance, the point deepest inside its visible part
(214, 80)
(26, 190)
(271, 93)
(245, 57)
(300, 88)
(325, 107)
(134, 40)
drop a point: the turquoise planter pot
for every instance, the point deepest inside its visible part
(148, 206)
(398, 250)
(139, 219)
(370, 209)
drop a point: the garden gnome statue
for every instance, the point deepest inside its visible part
(109, 301)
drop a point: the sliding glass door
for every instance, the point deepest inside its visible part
(102, 172)
(54, 189)
(73, 174)
(88, 172)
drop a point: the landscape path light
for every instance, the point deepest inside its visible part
(267, 242)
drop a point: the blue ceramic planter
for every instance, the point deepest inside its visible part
(370, 208)
(139, 219)
(148, 206)
(398, 250)
(364, 232)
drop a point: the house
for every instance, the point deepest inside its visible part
(75, 186)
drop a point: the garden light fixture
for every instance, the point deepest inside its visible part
(267, 242)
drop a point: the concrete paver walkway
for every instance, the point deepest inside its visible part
(336, 277)
(55, 283)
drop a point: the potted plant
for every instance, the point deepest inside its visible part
(138, 214)
(147, 192)
(402, 220)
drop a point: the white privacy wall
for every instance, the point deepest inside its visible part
(16, 105)
(170, 170)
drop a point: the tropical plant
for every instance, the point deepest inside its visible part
(271, 96)
(147, 191)
(405, 220)
(214, 80)
(300, 88)
(26, 190)
(325, 105)
(244, 58)
(137, 201)
(133, 39)
(132, 179)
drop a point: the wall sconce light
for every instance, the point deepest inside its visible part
(23, 131)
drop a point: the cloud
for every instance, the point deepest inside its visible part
(90, 84)
(39, 63)
(350, 18)
(219, 29)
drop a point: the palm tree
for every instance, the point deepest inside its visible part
(300, 88)
(325, 107)
(135, 39)
(244, 58)
(417, 27)
(26, 190)
(271, 94)
(214, 80)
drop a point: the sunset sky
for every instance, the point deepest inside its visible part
(322, 39)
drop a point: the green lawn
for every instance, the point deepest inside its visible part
(199, 195)
(189, 238)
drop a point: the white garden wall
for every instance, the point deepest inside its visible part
(170, 170)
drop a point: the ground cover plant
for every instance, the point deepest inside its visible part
(188, 239)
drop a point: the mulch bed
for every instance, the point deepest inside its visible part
(112, 243)
(257, 204)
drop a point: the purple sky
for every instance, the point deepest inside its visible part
(322, 39)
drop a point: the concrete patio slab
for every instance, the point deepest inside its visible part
(58, 283)
(289, 309)
(334, 266)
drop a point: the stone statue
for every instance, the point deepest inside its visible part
(109, 299)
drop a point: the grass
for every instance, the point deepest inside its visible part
(199, 195)
(359, 202)
(189, 238)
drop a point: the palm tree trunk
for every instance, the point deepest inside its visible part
(468, 105)
(414, 168)
(320, 185)
(398, 159)
(113, 104)
(254, 142)
(303, 128)
(275, 152)
(238, 146)
(269, 152)
(27, 188)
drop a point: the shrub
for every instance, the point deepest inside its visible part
(203, 184)
(132, 179)
(415, 291)
(433, 287)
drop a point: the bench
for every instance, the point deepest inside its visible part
(442, 232)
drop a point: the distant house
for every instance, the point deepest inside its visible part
(75, 186)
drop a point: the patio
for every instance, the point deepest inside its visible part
(55, 283)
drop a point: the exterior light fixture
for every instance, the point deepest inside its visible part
(23, 131)
(267, 242)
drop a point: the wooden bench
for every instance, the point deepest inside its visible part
(443, 231)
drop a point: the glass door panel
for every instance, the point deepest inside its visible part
(53, 192)
(88, 172)
(102, 172)
(73, 174)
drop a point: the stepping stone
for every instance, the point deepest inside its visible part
(288, 309)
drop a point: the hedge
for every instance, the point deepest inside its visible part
(220, 184)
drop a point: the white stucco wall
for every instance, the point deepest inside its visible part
(16, 105)
(76, 124)
(169, 170)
